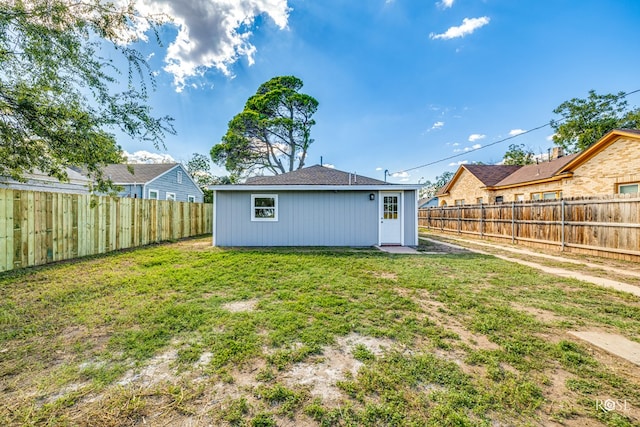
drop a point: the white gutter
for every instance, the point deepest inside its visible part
(289, 187)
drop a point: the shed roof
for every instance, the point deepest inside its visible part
(315, 175)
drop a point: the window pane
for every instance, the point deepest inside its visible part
(628, 189)
(390, 207)
(267, 202)
(549, 196)
(265, 213)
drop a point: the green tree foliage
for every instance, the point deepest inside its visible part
(272, 133)
(584, 121)
(518, 155)
(199, 167)
(431, 188)
(58, 107)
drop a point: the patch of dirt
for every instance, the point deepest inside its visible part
(430, 246)
(543, 316)
(158, 369)
(322, 373)
(384, 275)
(241, 306)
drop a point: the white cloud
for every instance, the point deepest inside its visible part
(446, 4)
(148, 157)
(212, 33)
(455, 144)
(550, 137)
(514, 132)
(378, 169)
(400, 175)
(476, 146)
(329, 165)
(437, 125)
(476, 137)
(461, 162)
(469, 25)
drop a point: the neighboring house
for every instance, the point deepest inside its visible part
(161, 181)
(38, 181)
(427, 202)
(609, 166)
(315, 206)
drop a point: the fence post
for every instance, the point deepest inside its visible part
(513, 222)
(562, 205)
(481, 220)
(441, 219)
(459, 218)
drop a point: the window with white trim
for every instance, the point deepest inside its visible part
(179, 177)
(628, 188)
(171, 196)
(153, 194)
(191, 199)
(264, 207)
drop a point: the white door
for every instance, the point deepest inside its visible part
(390, 218)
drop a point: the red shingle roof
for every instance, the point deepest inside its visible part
(537, 171)
(490, 175)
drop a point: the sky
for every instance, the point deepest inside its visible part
(402, 85)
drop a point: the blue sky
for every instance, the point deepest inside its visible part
(401, 83)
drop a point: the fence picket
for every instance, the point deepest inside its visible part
(38, 228)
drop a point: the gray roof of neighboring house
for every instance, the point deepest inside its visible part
(142, 173)
(315, 175)
(536, 171)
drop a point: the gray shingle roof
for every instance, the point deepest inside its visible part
(119, 173)
(314, 175)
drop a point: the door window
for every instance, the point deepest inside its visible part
(390, 207)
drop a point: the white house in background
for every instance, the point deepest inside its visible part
(161, 181)
(38, 181)
(315, 206)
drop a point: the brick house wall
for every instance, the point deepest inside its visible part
(468, 188)
(598, 175)
(618, 163)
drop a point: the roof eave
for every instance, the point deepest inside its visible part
(602, 143)
(314, 187)
(526, 183)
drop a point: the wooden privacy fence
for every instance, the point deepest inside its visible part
(38, 228)
(609, 226)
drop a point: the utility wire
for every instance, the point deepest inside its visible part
(495, 142)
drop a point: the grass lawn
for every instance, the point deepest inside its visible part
(187, 334)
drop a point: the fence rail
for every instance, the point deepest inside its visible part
(38, 228)
(607, 226)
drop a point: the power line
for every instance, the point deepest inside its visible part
(495, 142)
